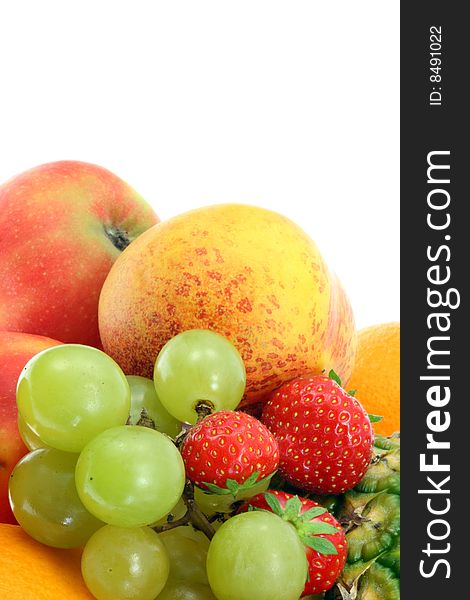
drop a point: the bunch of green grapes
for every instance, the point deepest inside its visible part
(104, 471)
(93, 476)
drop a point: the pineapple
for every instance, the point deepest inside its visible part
(371, 516)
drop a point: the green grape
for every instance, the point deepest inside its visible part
(187, 556)
(120, 563)
(184, 590)
(210, 504)
(256, 556)
(30, 439)
(68, 394)
(178, 511)
(45, 502)
(199, 365)
(130, 476)
(144, 396)
(197, 536)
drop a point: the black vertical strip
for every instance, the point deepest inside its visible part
(435, 259)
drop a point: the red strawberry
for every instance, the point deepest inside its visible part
(324, 434)
(325, 542)
(227, 450)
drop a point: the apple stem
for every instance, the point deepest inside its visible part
(118, 237)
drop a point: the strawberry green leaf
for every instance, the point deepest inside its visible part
(215, 489)
(232, 486)
(292, 508)
(250, 481)
(277, 482)
(375, 418)
(273, 504)
(311, 513)
(352, 393)
(335, 377)
(321, 545)
(318, 527)
(258, 509)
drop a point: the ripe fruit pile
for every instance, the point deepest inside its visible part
(159, 514)
(205, 455)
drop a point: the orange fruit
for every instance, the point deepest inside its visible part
(31, 571)
(376, 374)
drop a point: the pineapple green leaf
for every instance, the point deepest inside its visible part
(345, 595)
(352, 573)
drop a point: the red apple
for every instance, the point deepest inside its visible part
(62, 226)
(15, 351)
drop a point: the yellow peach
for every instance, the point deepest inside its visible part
(247, 273)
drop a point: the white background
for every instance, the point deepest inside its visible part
(291, 105)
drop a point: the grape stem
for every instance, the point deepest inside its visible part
(203, 409)
(193, 515)
(184, 520)
(218, 516)
(145, 420)
(196, 516)
(179, 439)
